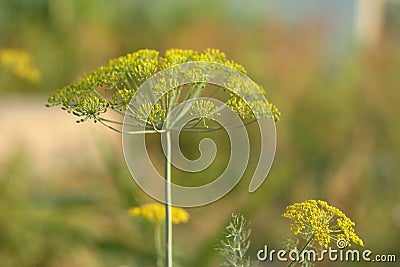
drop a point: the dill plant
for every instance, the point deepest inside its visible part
(104, 95)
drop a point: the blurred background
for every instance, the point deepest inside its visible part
(332, 67)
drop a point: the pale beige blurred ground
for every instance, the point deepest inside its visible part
(49, 137)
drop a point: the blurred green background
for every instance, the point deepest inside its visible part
(332, 67)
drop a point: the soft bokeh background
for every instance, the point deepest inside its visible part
(332, 67)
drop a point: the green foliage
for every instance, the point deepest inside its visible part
(234, 248)
(53, 225)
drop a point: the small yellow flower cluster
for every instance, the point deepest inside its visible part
(155, 115)
(91, 107)
(121, 98)
(240, 106)
(155, 213)
(21, 64)
(204, 109)
(140, 65)
(247, 104)
(321, 221)
(174, 57)
(263, 109)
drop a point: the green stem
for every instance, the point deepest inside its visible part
(158, 244)
(304, 248)
(129, 132)
(168, 208)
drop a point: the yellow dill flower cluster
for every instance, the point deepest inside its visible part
(178, 56)
(204, 109)
(124, 75)
(21, 64)
(317, 219)
(121, 98)
(155, 213)
(174, 57)
(255, 108)
(91, 108)
(152, 114)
